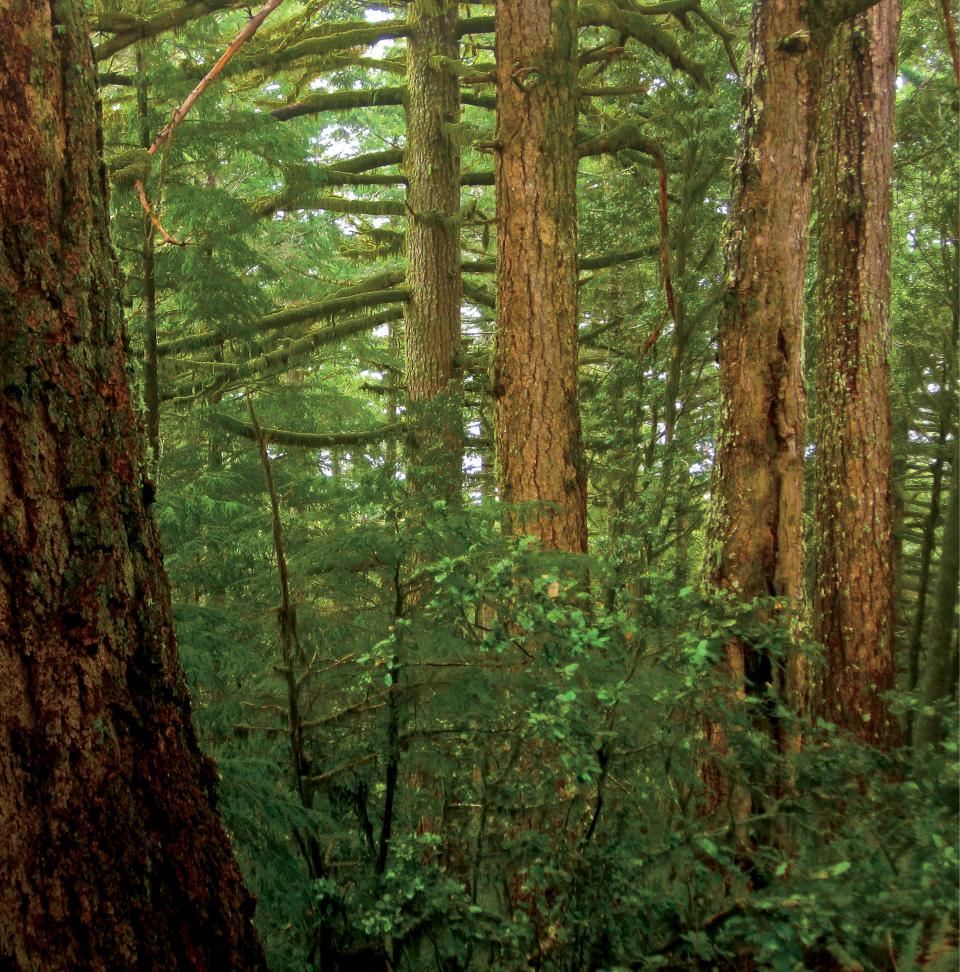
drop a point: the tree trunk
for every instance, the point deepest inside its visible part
(854, 594)
(113, 855)
(757, 532)
(151, 380)
(927, 548)
(938, 680)
(755, 539)
(432, 165)
(534, 381)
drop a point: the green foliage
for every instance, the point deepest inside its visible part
(537, 722)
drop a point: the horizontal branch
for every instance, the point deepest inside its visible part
(299, 192)
(137, 30)
(367, 161)
(354, 34)
(335, 204)
(309, 440)
(479, 295)
(627, 135)
(228, 372)
(585, 263)
(316, 310)
(363, 98)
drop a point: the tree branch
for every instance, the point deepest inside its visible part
(636, 25)
(316, 310)
(143, 30)
(309, 440)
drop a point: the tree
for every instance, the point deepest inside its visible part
(432, 164)
(534, 374)
(113, 852)
(939, 681)
(853, 596)
(755, 542)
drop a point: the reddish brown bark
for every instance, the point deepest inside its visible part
(853, 597)
(539, 450)
(432, 165)
(112, 855)
(756, 534)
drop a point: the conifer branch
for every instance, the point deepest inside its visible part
(636, 25)
(335, 204)
(316, 310)
(137, 30)
(364, 98)
(228, 372)
(248, 31)
(309, 440)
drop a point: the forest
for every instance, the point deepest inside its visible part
(479, 485)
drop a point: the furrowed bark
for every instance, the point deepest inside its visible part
(534, 375)
(755, 539)
(434, 283)
(151, 387)
(853, 600)
(113, 854)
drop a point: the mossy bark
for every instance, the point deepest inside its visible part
(432, 317)
(755, 538)
(534, 380)
(151, 380)
(113, 854)
(939, 680)
(927, 548)
(853, 597)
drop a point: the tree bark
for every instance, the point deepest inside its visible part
(927, 548)
(938, 680)
(432, 165)
(151, 380)
(755, 538)
(113, 854)
(853, 599)
(534, 374)
(757, 534)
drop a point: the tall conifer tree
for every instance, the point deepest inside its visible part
(539, 449)
(853, 596)
(113, 854)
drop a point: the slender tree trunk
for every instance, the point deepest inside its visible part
(151, 383)
(938, 680)
(432, 164)
(853, 598)
(539, 449)
(112, 854)
(927, 548)
(755, 540)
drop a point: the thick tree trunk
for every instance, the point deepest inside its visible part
(432, 165)
(534, 381)
(112, 854)
(853, 597)
(938, 680)
(755, 541)
(757, 531)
